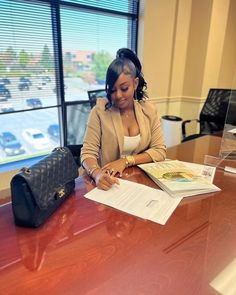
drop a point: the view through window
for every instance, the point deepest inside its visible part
(53, 52)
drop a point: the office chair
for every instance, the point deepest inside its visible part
(75, 118)
(213, 114)
(75, 150)
(93, 95)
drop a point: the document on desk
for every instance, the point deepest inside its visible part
(137, 199)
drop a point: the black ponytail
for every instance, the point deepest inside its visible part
(141, 93)
(126, 62)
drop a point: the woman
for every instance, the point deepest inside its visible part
(125, 130)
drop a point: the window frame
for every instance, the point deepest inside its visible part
(55, 6)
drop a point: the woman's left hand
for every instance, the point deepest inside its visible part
(115, 167)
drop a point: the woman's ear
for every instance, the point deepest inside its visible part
(136, 81)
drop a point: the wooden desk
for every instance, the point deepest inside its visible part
(88, 248)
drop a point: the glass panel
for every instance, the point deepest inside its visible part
(90, 41)
(28, 134)
(227, 154)
(228, 143)
(29, 61)
(27, 74)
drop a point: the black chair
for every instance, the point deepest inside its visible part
(76, 117)
(213, 114)
(93, 95)
(75, 150)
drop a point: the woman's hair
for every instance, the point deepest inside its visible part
(128, 63)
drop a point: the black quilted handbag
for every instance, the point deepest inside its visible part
(39, 190)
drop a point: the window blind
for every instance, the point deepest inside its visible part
(27, 56)
(52, 52)
(125, 6)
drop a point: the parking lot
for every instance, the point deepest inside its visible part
(17, 123)
(76, 89)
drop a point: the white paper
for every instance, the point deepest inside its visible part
(232, 130)
(230, 169)
(137, 199)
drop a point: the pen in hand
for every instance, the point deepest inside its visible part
(114, 179)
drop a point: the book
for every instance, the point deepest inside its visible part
(181, 179)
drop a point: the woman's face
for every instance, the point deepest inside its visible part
(122, 94)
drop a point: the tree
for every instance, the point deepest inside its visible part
(101, 61)
(24, 58)
(2, 68)
(9, 56)
(46, 58)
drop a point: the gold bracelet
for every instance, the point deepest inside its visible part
(129, 161)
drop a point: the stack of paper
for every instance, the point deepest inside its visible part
(181, 179)
(137, 199)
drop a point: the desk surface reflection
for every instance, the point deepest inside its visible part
(89, 248)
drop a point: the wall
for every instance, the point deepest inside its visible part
(187, 47)
(228, 60)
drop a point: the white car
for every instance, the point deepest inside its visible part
(41, 85)
(6, 107)
(36, 138)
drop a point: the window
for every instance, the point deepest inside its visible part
(52, 52)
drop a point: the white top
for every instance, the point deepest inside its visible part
(130, 144)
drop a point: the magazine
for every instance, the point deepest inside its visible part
(181, 179)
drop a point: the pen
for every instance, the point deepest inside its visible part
(111, 176)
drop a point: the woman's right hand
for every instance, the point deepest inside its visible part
(104, 180)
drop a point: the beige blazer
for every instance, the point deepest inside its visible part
(104, 137)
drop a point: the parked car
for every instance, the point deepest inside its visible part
(23, 86)
(4, 92)
(41, 85)
(54, 131)
(25, 80)
(34, 103)
(46, 79)
(6, 107)
(71, 139)
(10, 145)
(36, 138)
(55, 88)
(5, 81)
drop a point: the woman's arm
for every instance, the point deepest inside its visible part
(103, 178)
(90, 153)
(118, 166)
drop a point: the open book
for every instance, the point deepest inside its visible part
(181, 179)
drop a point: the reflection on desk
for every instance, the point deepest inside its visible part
(89, 248)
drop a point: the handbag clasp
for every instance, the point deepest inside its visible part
(26, 170)
(61, 192)
(60, 148)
